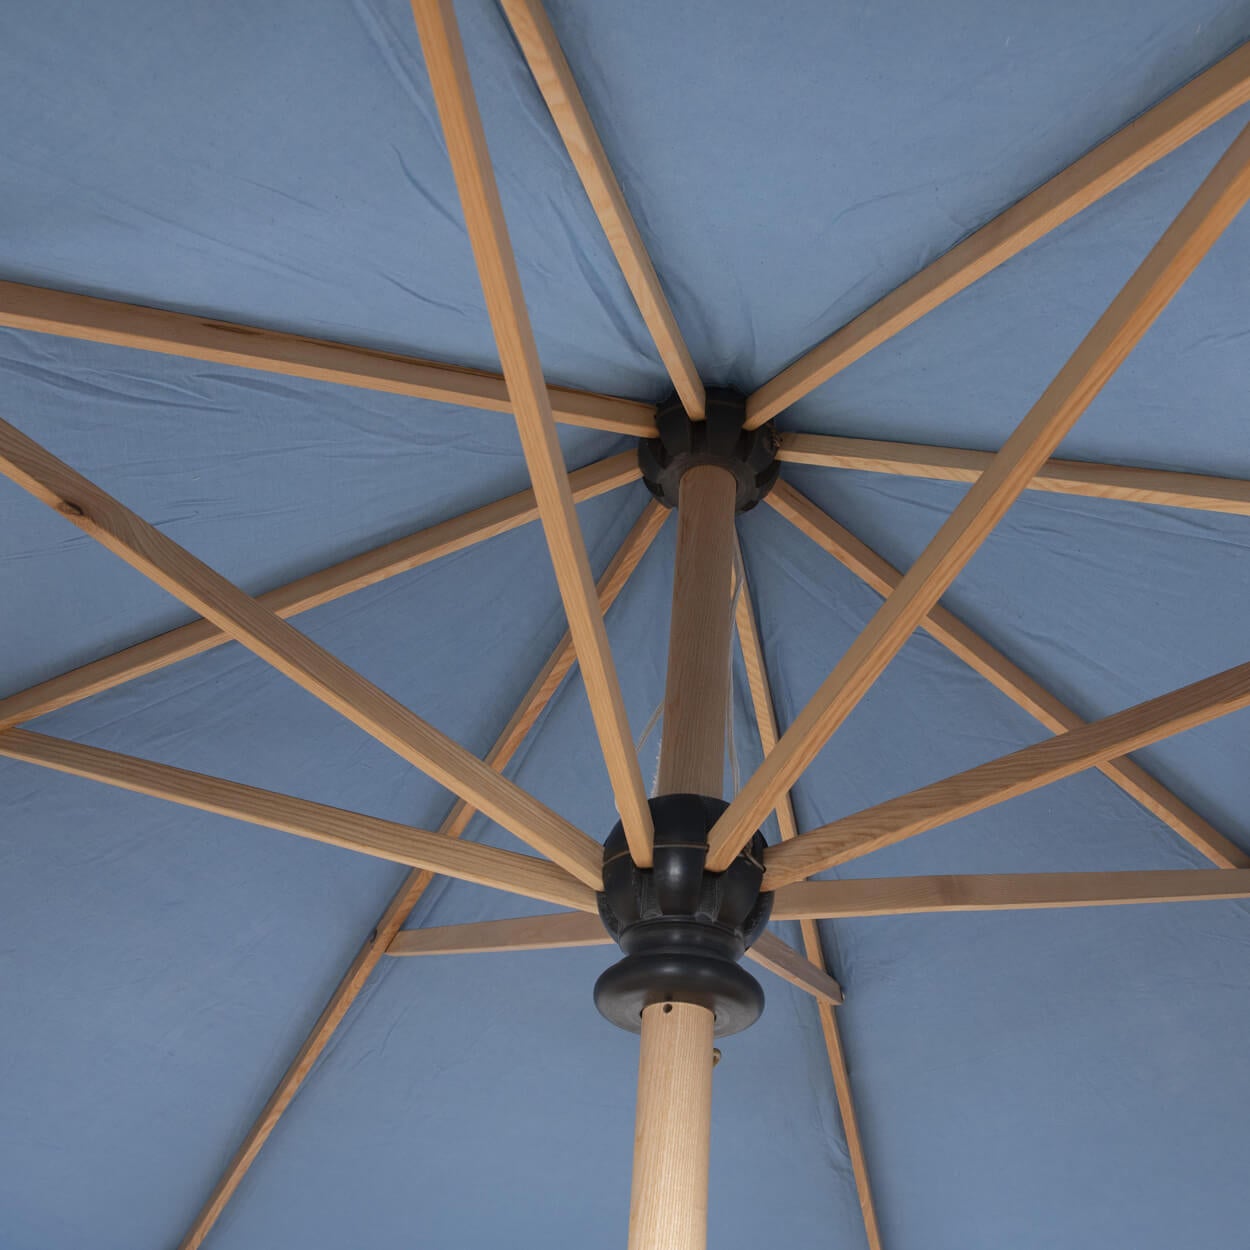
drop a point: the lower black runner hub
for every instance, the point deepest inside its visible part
(683, 930)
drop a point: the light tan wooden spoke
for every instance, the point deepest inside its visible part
(397, 912)
(529, 933)
(1008, 776)
(1005, 676)
(1200, 103)
(248, 347)
(1057, 477)
(766, 723)
(907, 896)
(565, 930)
(298, 657)
(324, 586)
(555, 80)
(514, 338)
(483, 865)
(1199, 224)
(784, 961)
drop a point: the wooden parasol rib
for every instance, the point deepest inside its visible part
(908, 896)
(782, 960)
(1199, 224)
(483, 865)
(324, 586)
(526, 933)
(1005, 676)
(555, 80)
(518, 355)
(248, 347)
(1187, 112)
(162, 560)
(766, 725)
(1057, 477)
(1009, 776)
(564, 930)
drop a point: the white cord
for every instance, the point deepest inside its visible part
(739, 582)
(642, 741)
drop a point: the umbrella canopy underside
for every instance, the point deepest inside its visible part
(1025, 1079)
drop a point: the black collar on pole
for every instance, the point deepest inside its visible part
(683, 930)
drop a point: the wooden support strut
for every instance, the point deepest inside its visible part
(357, 572)
(562, 930)
(419, 848)
(1002, 674)
(62, 313)
(912, 896)
(1125, 483)
(555, 80)
(766, 723)
(278, 643)
(1159, 131)
(1008, 777)
(474, 175)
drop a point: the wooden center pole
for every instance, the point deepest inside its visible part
(673, 1130)
(696, 693)
(672, 1136)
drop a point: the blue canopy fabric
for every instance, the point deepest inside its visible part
(1029, 1079)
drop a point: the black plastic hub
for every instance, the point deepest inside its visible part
(683, 930)
(750, 455)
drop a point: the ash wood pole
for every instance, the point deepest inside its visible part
(692, 751)
(672, 1135)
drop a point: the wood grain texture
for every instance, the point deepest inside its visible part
(672, 1134)
(324, 586)
(565, 930)
(783, 960)
(1179, 117)
(907, 896)
(1059, 477)
(528, 933)
(1008, 776)
(205, 591)
(696, 691)
(72, 316)
(518, 355)
(766, 723)
(761, 693)
(386, 839)
(838, 1064)
(1005, 676)
(1197, 227)
(555, 80)
(400, 908)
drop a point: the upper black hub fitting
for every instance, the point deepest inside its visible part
(750, 455)
(683, 930)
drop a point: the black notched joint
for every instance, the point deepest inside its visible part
(682, 930)
(750, 455)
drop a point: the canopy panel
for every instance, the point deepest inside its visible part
(1029, 1079)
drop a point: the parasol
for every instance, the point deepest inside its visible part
(886, 719)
